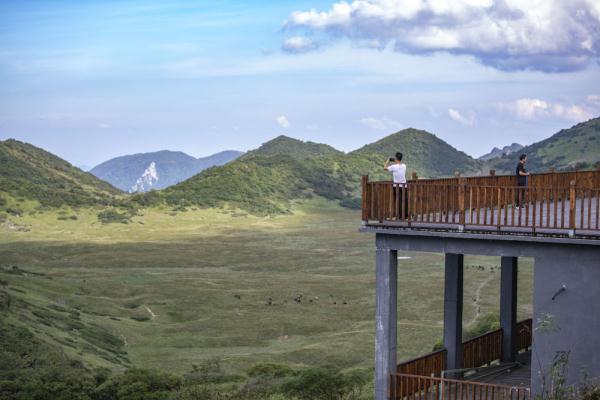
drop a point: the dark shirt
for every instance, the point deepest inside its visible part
(521, 180)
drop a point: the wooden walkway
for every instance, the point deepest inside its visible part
(518, 376)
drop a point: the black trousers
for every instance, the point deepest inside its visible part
(401, 199)
(520, 195)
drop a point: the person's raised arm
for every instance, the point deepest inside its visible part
(387, 163)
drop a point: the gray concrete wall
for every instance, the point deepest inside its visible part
(572, 262)
(573, 317)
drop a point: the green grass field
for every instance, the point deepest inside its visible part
(169, 290)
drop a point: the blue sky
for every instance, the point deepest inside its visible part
(91, 80)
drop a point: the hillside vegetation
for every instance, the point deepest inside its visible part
(32, 173)
(576, 147)
(266, 180)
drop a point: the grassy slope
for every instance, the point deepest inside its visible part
(578, 146)
(207, 277)
(30, 172)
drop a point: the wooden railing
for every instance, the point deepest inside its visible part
(483, 349)
(429, 364)
(551, 201)
(478, 351)
(415, 387)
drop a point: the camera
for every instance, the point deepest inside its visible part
(392, 159)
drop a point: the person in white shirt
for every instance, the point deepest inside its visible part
(398, 168)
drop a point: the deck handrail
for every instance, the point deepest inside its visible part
(549, 202)
(477, 352)
(482, 349)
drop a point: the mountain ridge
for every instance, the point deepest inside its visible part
(577, 147)
(267, 180)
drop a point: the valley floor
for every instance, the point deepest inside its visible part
(170, 290)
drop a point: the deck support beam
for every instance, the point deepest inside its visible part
(386, 320)
(453, 310)
(508, 306)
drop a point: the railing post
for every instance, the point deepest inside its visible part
(462, 182)
(572, 202)
(365, 206)
(492, 172)
(414, 176)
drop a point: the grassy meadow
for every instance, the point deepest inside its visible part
(174, 289)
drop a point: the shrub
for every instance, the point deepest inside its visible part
(14, 211)
(325, 383)
(138, 384)
(113, 216)
(270, 370)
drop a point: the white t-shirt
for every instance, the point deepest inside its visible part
(399, 171)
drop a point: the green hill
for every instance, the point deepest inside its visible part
(423, 152)
(30, 172)
(576, 147)
(287, 146)
(268, 179)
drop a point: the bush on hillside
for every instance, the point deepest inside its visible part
(113, 216)
(138, 384)
(325, 383)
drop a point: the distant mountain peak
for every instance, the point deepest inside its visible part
(157, 170)
(505, 151)
(147, 181)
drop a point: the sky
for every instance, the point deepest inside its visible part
(91, 80)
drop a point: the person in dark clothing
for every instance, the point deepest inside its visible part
(522, 175)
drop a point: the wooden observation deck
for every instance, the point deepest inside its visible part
(553, 203)
(555, 220)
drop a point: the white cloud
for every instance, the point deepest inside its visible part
(283, 122)
(384, 123)
(532, 108)
(546, 35)
(458, 117)
(298, 44)
(594, 99)
(529, 108)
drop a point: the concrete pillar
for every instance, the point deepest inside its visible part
(453, 308)
(386, 320)
(508, 307)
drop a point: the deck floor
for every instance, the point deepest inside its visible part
(518, 376)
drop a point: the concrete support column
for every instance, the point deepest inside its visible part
(508, 307)
(453, 308)
(386, 320)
